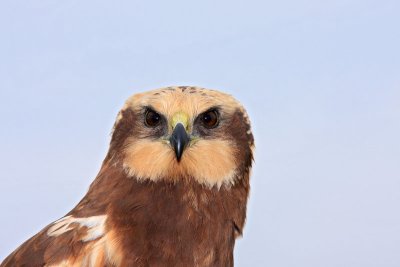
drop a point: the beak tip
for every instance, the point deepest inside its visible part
(179, 139)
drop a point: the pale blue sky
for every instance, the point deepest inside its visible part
(320, 79)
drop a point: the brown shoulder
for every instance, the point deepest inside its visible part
(65, 240)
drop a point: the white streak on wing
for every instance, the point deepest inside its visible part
(95, 225)
(61, 226)
(61, 264)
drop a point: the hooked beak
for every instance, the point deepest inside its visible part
(179, 140)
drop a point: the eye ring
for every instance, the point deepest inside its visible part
(210, 119)
(152, 118)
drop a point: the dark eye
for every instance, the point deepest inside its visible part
(152, 118)
(209, 119)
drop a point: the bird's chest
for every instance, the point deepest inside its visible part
(181, 228)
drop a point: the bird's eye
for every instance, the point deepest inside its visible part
(152, 118)
(209, 119)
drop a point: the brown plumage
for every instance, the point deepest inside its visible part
(172, 190)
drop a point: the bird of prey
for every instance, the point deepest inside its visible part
(172, 189)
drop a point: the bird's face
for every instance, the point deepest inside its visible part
(183, 133)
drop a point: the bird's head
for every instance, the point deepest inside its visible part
(183, 133)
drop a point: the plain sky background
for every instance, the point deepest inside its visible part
(320, 80)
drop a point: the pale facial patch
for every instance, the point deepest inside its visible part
(94, 224)
(209, 162)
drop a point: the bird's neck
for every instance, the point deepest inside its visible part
(188, 222)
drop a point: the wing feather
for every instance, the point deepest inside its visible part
(69, 241)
